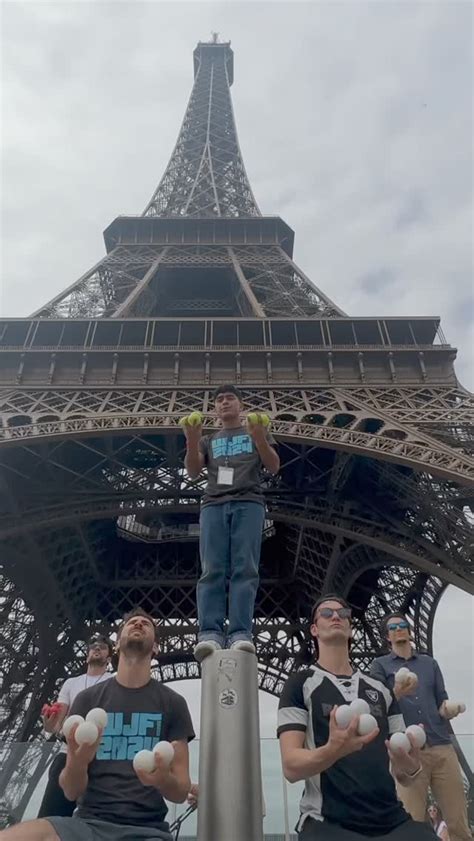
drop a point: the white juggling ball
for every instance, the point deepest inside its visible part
(70, 723)
(144, 760)
(166, 751)
(359, 706)
(402, 675)
(367, 723)
(398, 741)
(98, 716)
(418, 734)
(87, 733)
(344, 716)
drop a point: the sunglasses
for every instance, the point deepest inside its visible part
(328, 612)
(392, 626)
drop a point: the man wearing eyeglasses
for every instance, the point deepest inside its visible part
(99, 654)
(349, 792)
(424, 702)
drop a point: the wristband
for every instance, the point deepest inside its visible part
(415, 773)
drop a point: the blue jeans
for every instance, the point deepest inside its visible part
(230, 541)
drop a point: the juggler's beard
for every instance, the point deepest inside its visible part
(97, 660)
(137, 647)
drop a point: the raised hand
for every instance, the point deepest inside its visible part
(405, 684)
(193, 434)
(404, 762)
(81, 754)
(257, 423)
(345, 740)
(160, 777)
(192, 428)
(53, 716)
(451, 709)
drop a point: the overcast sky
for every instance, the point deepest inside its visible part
(355, 123)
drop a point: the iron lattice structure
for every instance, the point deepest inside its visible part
(374, 498)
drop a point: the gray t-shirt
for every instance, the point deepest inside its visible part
(137, 720)
(235, 449)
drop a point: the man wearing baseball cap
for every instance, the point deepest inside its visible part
(231, 521)
(99, 654)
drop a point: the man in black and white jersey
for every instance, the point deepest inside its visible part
(349, 790)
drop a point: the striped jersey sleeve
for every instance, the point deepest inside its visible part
(292, 711)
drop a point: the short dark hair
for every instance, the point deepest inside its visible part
(397, 614)
(328, 597)
(228, 389)
(103, 640)
(138, 611)
(309, 650)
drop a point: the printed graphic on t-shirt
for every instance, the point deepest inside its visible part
(126, 734)
(233, 449)
(234, 445)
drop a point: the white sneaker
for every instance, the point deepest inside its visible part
(243, 645)
(204, 648)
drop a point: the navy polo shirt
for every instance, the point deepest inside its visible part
(421, 707)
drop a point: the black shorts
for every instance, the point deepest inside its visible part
(324, 831)
(79, 829)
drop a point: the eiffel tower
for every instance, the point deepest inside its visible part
(374, 498)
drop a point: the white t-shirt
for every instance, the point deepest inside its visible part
(73, 685)
(441, 829)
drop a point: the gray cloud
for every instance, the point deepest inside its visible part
(377, 280)
(412, 211)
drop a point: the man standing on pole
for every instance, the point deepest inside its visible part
(232, 518)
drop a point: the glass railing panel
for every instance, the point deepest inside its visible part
(24, 770)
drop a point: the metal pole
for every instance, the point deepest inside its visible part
(285, 808)
(230, 776)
